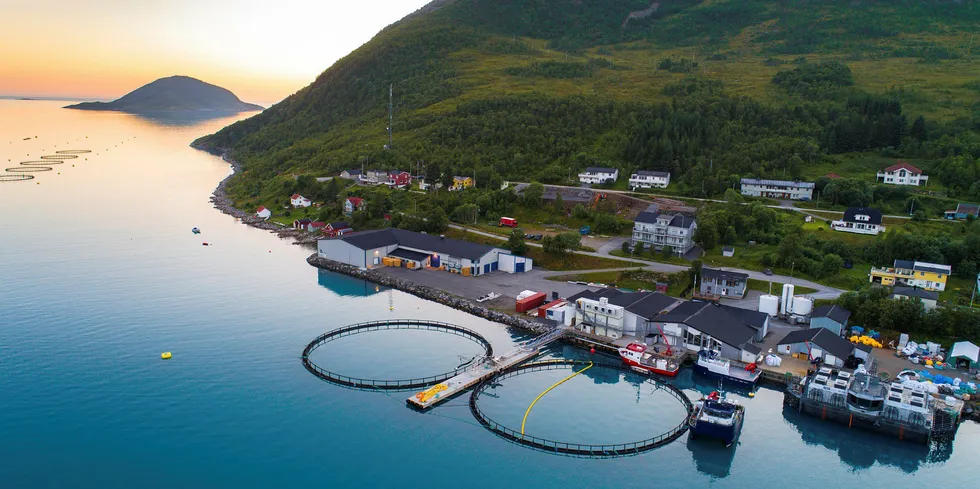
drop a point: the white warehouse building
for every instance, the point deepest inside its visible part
(777, 189)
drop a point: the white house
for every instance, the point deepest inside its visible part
(595, 174)
(298, 200)
(263, 213)
(902, 173)
(649, 179)
(777, 189)
(656, 230)
(860, 220)
(354, 174)
(352, 204)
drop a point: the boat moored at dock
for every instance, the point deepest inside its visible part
(640, 359)
(718, 418)
(711, 364)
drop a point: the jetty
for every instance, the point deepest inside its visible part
(476, 373)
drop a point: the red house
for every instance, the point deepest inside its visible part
(399, 179)
(315, 226)
(354, 204)
(338, 228)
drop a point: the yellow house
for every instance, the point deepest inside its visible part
(928, 276)
(459, 183)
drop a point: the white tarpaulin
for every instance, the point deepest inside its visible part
(965, 349)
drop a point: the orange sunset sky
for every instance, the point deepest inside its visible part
(263, 50)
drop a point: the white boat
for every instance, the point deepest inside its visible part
(489, 297)
(711, 364)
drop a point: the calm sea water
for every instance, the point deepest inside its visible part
(99, 274)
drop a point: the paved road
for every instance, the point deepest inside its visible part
(823, 291)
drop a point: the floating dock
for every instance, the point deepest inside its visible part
(443, 391)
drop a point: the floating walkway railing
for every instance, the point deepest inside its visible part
(576, 449)
(399, 324)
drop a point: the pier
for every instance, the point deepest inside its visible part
(476, 373)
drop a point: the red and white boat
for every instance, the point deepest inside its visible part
(638, 358)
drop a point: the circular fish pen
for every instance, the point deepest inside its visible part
(59, 157)
(41, 162)
(24, 172)
(394, 324)
(28, 169)
(15, 178)
(73, 151)
(597, 450)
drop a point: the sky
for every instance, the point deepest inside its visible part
(263, 50)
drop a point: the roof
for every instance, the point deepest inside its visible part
(260, 209)
(339, 225)
(874, 214)
(647, 217)
(647, 305)
(965, 349)
(921, 266)
(777, 183)
(968, 209)
(594, 294)
(648, 173)
(457, 177)
(600, 169)
(370, 240)
(823, 338)
(753, 319)
(713, 273)
(355, 200)
(902, 164)
(353, 172)
(681, 221)
(720, 324)
(317, 224)
(904, 264)
(753, 349)
(296, 197)
(834, 312)
(303, 221)
(915, 292)
(408, 254)
(727, 248)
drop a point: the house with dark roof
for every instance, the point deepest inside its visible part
(928, 297)
(833, 318)
(338, 228)
(963, 211)
(597, 174)
(860, 220)
(649, 179)
(821, 343)
(907, 273)
(657, 230)
(700, 324)
(351, 174)
(723, 283)
(416, 250)
(902, 173)
(612, 313)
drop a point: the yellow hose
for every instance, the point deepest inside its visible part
(560, 382)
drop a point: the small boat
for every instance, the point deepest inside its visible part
(640, 359)
(489, 297)
(196, 231)
(710, 364)
(205, 244)
(718, 418)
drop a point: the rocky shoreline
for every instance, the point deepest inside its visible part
(429, 293)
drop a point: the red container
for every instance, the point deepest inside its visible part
(543, 310)
(508, 221)
(528, 303)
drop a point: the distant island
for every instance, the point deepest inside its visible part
(174, 94)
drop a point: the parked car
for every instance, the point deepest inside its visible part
(767, 271)
(537, 236)
(847, 264)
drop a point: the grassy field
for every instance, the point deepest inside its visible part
(763, 286)
(625, 280)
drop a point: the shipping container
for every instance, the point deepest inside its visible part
(531, 302)
(543, 310)
(508, 221)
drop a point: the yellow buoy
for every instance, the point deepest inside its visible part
(751, 394)
(166, 355)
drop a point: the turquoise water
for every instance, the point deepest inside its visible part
(99, 274)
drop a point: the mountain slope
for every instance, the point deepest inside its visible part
(537, 89)
(175, 93)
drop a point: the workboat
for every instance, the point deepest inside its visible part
(196, 231)
(717, 418)
(639, 357)
(711, 364)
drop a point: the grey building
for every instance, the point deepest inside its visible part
(367, 249)
(821, 343)
(723, 283)
(655, 229)
(777, 189)
(831, 317)
(695, 325)
(928, 297)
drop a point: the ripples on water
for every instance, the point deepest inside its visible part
(99, 274)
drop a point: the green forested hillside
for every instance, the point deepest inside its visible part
(710, 90)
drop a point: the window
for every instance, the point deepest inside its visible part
(692, 339)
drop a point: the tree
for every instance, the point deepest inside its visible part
(730, 236)
(626, 246)
(638, 248)
(667, 251)
(606, 224)
(466, 213)
(920, 216)
(572, 241)
(695, 272)
(532, 195)
(706, 236)
(559, 204)
(580, 212)
(918, 131)
(789, 249)
(516, 242)
(830, 264)
(436, 220)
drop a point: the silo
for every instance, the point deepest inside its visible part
(769, 304)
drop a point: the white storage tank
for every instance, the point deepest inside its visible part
(802, 306)
(787, 306)
(769, 304)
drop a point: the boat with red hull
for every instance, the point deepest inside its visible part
(640, 359)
